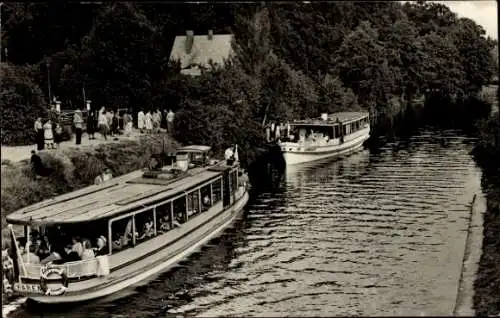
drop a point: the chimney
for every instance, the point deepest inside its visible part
(210, 34)
(189, 41)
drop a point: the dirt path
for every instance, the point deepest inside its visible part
(19, 153)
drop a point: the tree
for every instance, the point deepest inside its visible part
(21, 102)
(474, 54)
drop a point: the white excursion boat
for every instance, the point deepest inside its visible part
(328, 136)
(145, 223)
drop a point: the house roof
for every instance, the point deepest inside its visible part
(203, 50)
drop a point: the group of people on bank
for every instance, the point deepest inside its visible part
(152, 122)
(106, 122)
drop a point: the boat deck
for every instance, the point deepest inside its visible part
(113, 197)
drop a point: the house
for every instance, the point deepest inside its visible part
(196, 51)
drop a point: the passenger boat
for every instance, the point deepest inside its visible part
(328, 136)
(149, 220)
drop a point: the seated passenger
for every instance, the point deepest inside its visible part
(30, 256)
(70, 254)
(77, 246)
(44, 248)
(54, 257)
(101, 246)
(148, 229)
(117, 242)
(88, 252)
(206, 200)
(165, 224)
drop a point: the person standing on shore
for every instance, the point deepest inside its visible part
(163, 123)
(156, 121)
(78, 122)
(148, 121)
(140, 120)
(91, 125)
(48, 135)
(170, 122)
(127, 123)
(103, 125)
(39, 134)
(58, 135)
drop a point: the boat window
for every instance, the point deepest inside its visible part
(121, 234)
(216, 191)
(234, 181)
(206, 201)
(193, 203)
(163, 217)
(144, 225)
(180, 215)
(344, 130)
(337, 131)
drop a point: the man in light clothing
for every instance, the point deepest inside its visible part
(103, 177)
(170, 121)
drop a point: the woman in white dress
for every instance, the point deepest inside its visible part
(140, 120)
(48, 135)
(149, 122)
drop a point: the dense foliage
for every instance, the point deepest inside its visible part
(25, 104)
(292, 59)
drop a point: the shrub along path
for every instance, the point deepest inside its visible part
(20, 153)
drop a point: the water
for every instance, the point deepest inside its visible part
(378, 233)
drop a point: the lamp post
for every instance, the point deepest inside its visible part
(47, 63)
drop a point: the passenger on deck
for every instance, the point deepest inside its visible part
(229, 156)
(55, 256)
(101, 246)
(70, 254)
(165, 224)
(206, 200)
(87, 253)
(148, 229)
(44, 248)
(30, 256)
(77, 246)
(117, 242)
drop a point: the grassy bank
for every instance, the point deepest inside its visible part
(72, 169)
(487, 284)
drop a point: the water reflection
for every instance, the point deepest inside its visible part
(378, 233)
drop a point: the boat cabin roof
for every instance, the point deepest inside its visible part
(194, 148)
(343, 117)
(115, 197)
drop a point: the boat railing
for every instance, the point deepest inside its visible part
(92, 267)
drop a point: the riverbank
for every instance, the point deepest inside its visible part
(487, 284)
(20, 153)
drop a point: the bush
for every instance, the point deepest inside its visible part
(73, 169)
(22, 102)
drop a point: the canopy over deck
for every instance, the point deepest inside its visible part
(343, 117)
(194, 148)
(106, 200)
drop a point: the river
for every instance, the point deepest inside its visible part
(381, 232)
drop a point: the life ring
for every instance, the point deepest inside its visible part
(44, 275)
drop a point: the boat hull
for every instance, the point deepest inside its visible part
(324, 152)
(153, 265)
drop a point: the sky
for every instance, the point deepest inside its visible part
(483, 13)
